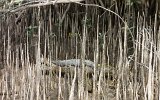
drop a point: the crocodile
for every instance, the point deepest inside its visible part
(73, 62)
(68, 66)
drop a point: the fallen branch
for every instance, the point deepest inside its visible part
(24, 6)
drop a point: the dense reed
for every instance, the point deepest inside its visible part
(122, 38)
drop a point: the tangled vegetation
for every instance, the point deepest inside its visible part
(121, 37)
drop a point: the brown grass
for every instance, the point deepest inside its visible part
(122, 41)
